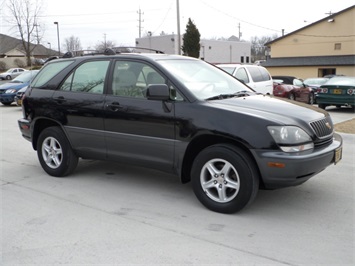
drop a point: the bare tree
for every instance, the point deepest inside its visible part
(101, 46)
(258, 48)
(25, 14)
(73, 44)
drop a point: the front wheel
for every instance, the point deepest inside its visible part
(55, 153)
(224, 178)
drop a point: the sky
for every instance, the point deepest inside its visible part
(118, 21)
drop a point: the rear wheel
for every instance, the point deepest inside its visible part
(292, 97)
(225, 179)
(321, 105)
(311, 99)
(55, 153)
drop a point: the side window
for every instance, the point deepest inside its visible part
(265, 74)
(88, 77)
(48, 72)
(255, 74)
(131, 79)
(242, 75)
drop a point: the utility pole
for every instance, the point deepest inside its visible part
(178, 27)
(329, 13)
(37, 36)
(140, 22)
(240, 34)
(105, 43)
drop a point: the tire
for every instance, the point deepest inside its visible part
(55, 153)
(224, 178)
(291, 96)
(321, 105)
(8, 77)
(6, 103)
(311, 100)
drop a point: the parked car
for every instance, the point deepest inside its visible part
(256, 77)
(314, 84)
(19, 95)
(338, 91)
(11, 73)
(179, 115)
(293, 89)
(9, 90)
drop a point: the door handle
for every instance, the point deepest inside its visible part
(115, 106)
(60, 99)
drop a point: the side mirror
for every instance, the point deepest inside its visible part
(158, 92)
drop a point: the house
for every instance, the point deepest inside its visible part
(213, 51)
(324, 47)
(12, 53)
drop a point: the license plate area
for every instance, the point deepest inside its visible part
(337, 91)
(338, 155)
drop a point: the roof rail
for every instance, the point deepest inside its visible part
(135, 49)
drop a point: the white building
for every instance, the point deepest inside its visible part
(213, 51)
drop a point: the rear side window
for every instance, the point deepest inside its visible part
(48, 72)
(258, 74)
(89, 77)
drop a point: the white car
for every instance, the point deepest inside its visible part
(12, 73)
(256, 77)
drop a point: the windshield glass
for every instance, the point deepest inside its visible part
(344, 81)
(315, 81)
(26, 76)
(203, 79)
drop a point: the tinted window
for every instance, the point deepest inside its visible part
(49, 72)
(258, 74)
(89, 77)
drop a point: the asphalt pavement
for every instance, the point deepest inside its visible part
(113, 214)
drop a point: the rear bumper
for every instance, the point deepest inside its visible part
(25, 128)
(296, 168)
(336, 99)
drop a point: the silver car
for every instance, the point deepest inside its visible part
(11, 73)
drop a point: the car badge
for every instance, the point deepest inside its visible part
(328, 125)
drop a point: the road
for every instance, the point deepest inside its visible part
(110, 214)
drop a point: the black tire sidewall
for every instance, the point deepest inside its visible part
(249, 179)
(69, 160)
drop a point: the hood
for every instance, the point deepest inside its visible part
(15, 86)
(279, 110)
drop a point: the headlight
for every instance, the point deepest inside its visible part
(291, 138)
(10, 91)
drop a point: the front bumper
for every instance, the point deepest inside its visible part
(279, 169)
(7, 98)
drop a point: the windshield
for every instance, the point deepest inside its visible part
(202, 79)
(341, 81)
(316, 81)
(25, 76)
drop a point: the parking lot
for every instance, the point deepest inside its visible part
(108, 214)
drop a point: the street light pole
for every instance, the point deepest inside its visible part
(57, 23)
(178, 27)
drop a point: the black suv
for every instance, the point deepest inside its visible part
(175, 114)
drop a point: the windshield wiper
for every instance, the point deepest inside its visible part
(229, 95)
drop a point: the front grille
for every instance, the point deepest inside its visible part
(322, 128)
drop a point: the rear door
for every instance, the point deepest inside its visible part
(78, 104)
(138, 130)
